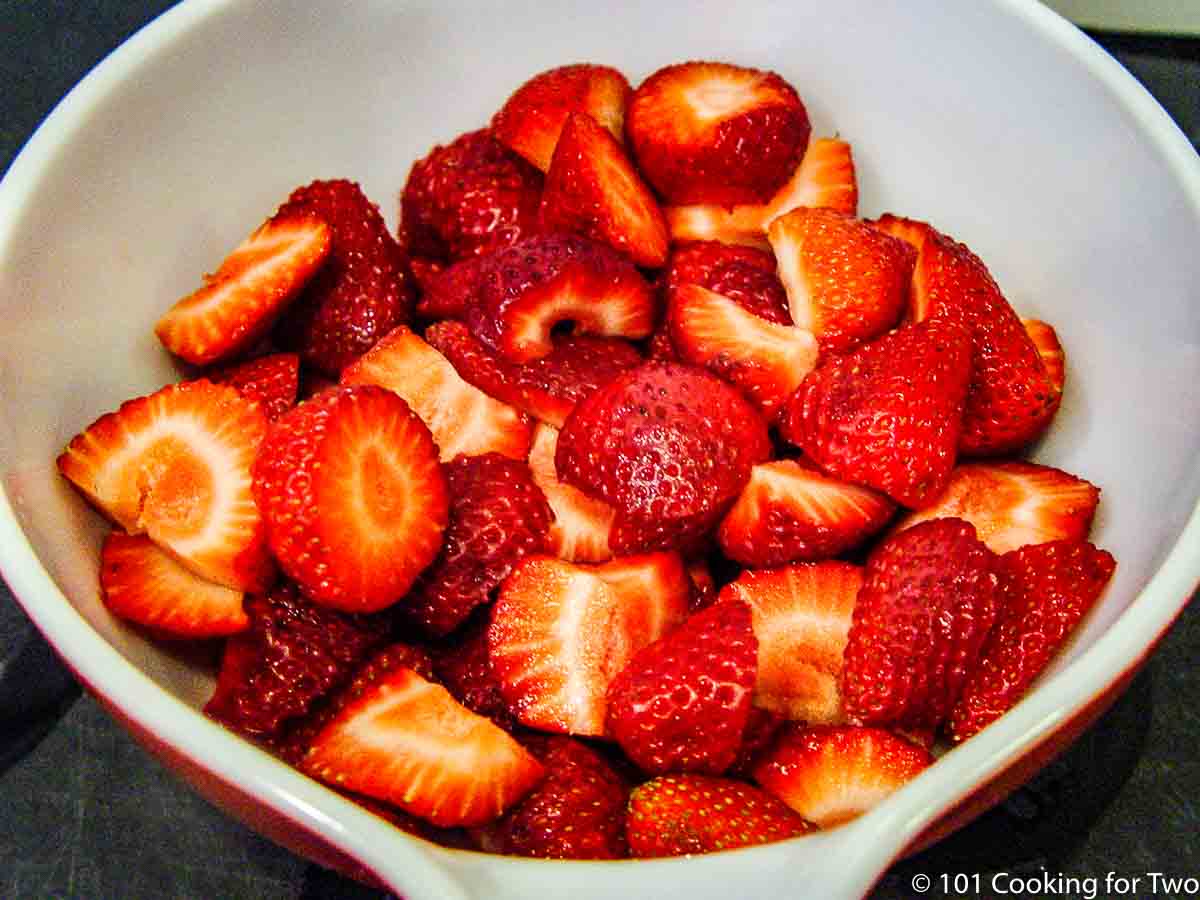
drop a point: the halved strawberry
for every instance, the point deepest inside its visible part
(1050, 349)
(274, 381)
(654, 587)
(739, 273)
(463, 419)
(709, 132)
(832, 774)
(353, 496)
(175, 466)
(240, 302)
(582, 524)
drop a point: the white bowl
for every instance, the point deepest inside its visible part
(996, 120)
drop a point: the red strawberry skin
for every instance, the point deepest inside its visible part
(461, 663)
(744, 274)
(274, 381)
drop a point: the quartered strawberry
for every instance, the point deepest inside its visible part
(498, 515)
(832, 774)
(582, 524)
(353, 495)
(141, 583)
(240, 302)
(463, 419)
(274, 381)
(546, 388)
(889, 414)
(1044, 591)
(1050, 349)
(361, 293)
(846, 281)
(462, 665)
(926, 607)
(175, 466)
(593, 189)
(1014, 503)
(709, 132)
(790, 511)
(406, 741)
(676, 815)
(801, 616)
(743, 274)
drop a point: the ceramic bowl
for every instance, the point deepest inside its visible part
(996, 120)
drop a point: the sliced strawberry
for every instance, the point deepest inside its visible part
(708, 132)
(832, 774)
(463, 419)
(889, 414)
(274, 381)
(463, 666)
(1045, 338)
(1014, 503)
(142, 584)
(175, 466)
(240, 302)
(790, 511)
(801, 617)
(676, 815)
(1044, 592)
(406, 741)
(593, 189)
(925, 608)
(582, 524)
(353, 495)
(739, 273)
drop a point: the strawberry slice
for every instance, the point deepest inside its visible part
(463, 666)
(801, 616)
(274, 381)
(463, 419)
(709, 132)
(790, 511)
(175, 466)
(676, 815)
(353, 496)
(1045, 338)
(832, 774)
(1044, 591)
(593, 189)
(582, 524)
(240, 302)
(406, 741)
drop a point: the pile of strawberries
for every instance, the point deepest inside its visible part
(637, 499)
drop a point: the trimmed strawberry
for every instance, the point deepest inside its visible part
(533, 117)
(889, 414)
(353, 496)
(708, 132)
(240, 302)
(925, 608)
(175, 466)
(274, 381)
(790, 511)
(677, 815)
(846, 281)
(801, 616)
(742, 274)
(463, 419)
(1044, 591)
(1014, 503)
(1045, 338)
(832, 774)
(463, 666)
(361, 293)
(593, 189)
(406, 741)
(582, 524)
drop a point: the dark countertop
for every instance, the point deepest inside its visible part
(85, 813)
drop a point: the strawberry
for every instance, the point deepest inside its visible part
(832, 774)
(582, 524)
(547, 388)
(926, 606)
(445, 289)
(708, 132)
(1014, 503)
(790, 511)
(498, 515)
(406, 741)
(142, 584)
(677, 815)
(593, 189)
(801, 616)
(662, 577)
(704, 587)
(1044, 591)
(669, 446)
(463, 666)
(533, 117)
(1011, 400)
(361, 293)
(1045, 338)
(888, 415)
(175, 466)
(681, 704)
(463, 419)
(240, 302)
(353, 496)
(761, 728)
(846, 281)
(743, 225)
(742, 274)
(274, 381)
